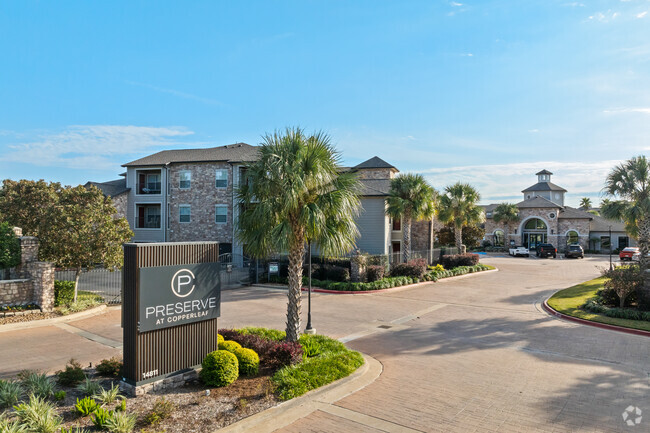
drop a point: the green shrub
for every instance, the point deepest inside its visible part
(72, 375)
(37, 384)
(108, 396)
(162, 409)
(120, 422)
(38, 415)
(89, 387)
(9, 247)
(592, 305)
(110, 367)
(456, 260)
(220, 338)
(269, 334)
(63, 293)
(248, 360)
(413, 268)
(437, 268)
(623, 280)
(220, 368)
(73, 430)
(10, 393)
(375, 273)
(85, 406)
(60, 395)
(230, 346)
(11, 426)
(310, 345)
(100, 417)
(122, 406)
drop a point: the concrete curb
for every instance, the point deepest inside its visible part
(47, 322)
(392, 289)
(562, 316)
(289, 412)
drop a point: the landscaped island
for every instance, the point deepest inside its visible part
(254, 369)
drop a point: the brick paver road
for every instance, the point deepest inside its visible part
(469, 354)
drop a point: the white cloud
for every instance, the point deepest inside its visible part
(628, 110)
(642, 14)
(93, 146)
(534, 131)
(455, 4)
(177, 93)
(604, 17)
(504, 182)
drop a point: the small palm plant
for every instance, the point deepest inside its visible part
(459, 206)
(410, 198)
(297, 193)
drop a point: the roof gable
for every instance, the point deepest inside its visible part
(544, 186)
(238, 152)
(374, 162)
(538, 201)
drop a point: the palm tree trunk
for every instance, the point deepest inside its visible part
(644, 247)
(458, 234)
(406, 238)
(296, 256)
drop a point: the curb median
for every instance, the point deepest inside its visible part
(54, 320)
(568, 318)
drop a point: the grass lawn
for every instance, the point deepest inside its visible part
(568, 301)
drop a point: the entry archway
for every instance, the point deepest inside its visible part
(534, 232)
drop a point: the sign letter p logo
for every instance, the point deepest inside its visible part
(183, 283)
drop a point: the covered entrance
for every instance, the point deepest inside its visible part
(534, 233)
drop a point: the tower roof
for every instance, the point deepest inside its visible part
(374, 162)
(543, 172)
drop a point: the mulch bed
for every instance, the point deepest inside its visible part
(28, 317)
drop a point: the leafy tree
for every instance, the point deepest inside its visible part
(297, 193)
(585, 203)
(459, 206)
(9, 248)
(410, 198)
(86, 231)
(508, 214)
(629, 186)
(623, 280)
(472, 235)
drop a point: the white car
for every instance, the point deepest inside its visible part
(519, 251)
(637, 256)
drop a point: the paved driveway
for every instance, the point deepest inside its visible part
(468, 354)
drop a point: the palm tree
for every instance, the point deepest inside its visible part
(629, 185)
(506, 213)
(297, 193)
(585, 203)
(410, 198)
(458, 206)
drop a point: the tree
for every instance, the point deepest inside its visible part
(472, 235)
(9, 248)
(629, 186)
(410, 198)
(585, 203)
(623, 280)
(506, 213)
(296, 193)
(458, 206)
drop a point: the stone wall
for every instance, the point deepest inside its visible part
(422, 237)
(202, 197)
(376, 173)
(33, 280)
(582, 226)
(121, 202)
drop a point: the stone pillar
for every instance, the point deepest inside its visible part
(18, 231)
(28, 249)
(357, 268)
(42, 275)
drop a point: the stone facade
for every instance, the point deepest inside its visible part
(376, 173)
(171, 382)
(33, 281)
(121, 202)
(202, 197)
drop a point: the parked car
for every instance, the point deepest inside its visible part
(574, 250)
(546, 250)
(519, 251)
(628, 253)
(637, 256)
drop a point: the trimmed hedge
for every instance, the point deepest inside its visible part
(63, 292)
(220, 368)
(413, 268)
(228, 345)
(456, 260)
(375, 273)
(249, 362)
(594, 306)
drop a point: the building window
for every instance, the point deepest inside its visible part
(185, 213)
(605, 243)
(222, 178)
(572, 237)
(397, 224)
(535, 224)
(225, 248)
(623, 242)
(147, 216)
(499, 238)
(185, 179)
(148, 182)
(221, 214)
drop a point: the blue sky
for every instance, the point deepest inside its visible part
(487, 92)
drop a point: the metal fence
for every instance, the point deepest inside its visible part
(235, 271)
(100, 281)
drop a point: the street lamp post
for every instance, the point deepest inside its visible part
(309, 329)
(610, 248)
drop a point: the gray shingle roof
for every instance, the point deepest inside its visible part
(544, 186)
(538, 201)
(238, 152)
(600, 224)
(573, 213)
(375, 187)
(111, 188)
(374, 162)
(543, 172)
